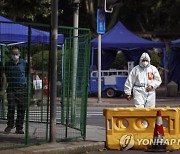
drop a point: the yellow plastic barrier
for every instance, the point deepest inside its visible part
(134, 127)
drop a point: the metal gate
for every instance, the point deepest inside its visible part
(75, 85)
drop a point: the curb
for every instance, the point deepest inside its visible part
(122, 103)
(59, 148)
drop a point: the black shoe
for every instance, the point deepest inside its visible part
(7, 130)
(19, 131)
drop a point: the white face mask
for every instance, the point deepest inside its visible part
(145, 63)
(15, 58)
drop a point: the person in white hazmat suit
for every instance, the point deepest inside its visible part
(142, 83)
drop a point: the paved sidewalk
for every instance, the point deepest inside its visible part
(161, 100)
(95, 141)
(122, 102)
(58, 148)
(95, 135)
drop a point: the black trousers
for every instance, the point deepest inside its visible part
(17, 98)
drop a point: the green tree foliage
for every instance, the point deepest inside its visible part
(154, 15)
(40, 61)
(26, 9)
(142, 16)
(155, 59)
(120, 62)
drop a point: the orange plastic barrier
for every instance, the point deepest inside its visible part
(128, 128)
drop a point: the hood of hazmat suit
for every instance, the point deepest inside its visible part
(145, 56)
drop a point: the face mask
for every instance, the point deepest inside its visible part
(145, 63)
(15, 57)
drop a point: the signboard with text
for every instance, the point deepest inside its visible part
(100, 21)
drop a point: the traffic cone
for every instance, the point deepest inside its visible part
(158, 144)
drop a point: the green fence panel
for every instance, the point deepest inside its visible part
(75, 84)
(71, 90)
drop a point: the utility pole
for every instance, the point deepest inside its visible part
(53, 71)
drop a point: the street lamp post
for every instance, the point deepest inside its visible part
(75, 57)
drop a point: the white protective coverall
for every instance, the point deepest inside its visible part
(139, 78)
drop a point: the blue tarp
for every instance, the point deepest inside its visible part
(11, 32)
(175, 43)
(174, 64)
(120, 38)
